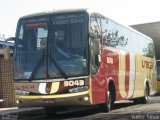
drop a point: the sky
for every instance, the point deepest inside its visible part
(126, 12)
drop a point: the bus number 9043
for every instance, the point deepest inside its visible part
(74, 83)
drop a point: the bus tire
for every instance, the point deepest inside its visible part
(145, 99)
(107, 106)
(108, 103)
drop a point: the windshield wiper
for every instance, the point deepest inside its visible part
(41, 59)
(58, 67)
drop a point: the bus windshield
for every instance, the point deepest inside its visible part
(51, 47)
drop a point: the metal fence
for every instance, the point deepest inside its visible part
(7, 95)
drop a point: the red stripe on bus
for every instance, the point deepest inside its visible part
(127, 75)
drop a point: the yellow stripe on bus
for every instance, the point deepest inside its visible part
(52, 96)
(55, 87)
(121, 77)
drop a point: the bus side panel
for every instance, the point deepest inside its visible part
(158, 85)
(145, 71)
(134, 71)
(141, 76)
(126, 75)
(108, 70)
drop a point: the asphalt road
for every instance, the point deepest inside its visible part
(123, 111)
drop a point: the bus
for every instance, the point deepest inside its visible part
(158, 75)
(71, 58)
(9, 44)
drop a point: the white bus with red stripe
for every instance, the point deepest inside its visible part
(77, 57)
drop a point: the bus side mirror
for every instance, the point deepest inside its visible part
(6, 50)
(95, 44)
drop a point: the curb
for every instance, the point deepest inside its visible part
(20, 113)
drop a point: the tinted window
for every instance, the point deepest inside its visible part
(96, 25)
(113, 34)
(118, 36)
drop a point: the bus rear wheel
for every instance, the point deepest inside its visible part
(145, 99)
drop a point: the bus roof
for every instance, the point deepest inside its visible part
(75, 10)
(81, 10)
(54, 12)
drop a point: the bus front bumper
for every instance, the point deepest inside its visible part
(72, 99)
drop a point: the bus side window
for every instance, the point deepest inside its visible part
(96, 29)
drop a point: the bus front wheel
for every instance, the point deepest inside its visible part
(108, 102)
(107, 106)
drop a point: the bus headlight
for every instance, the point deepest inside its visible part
(78, 89)
(21, 92)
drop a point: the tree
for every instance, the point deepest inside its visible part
(113, 39)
